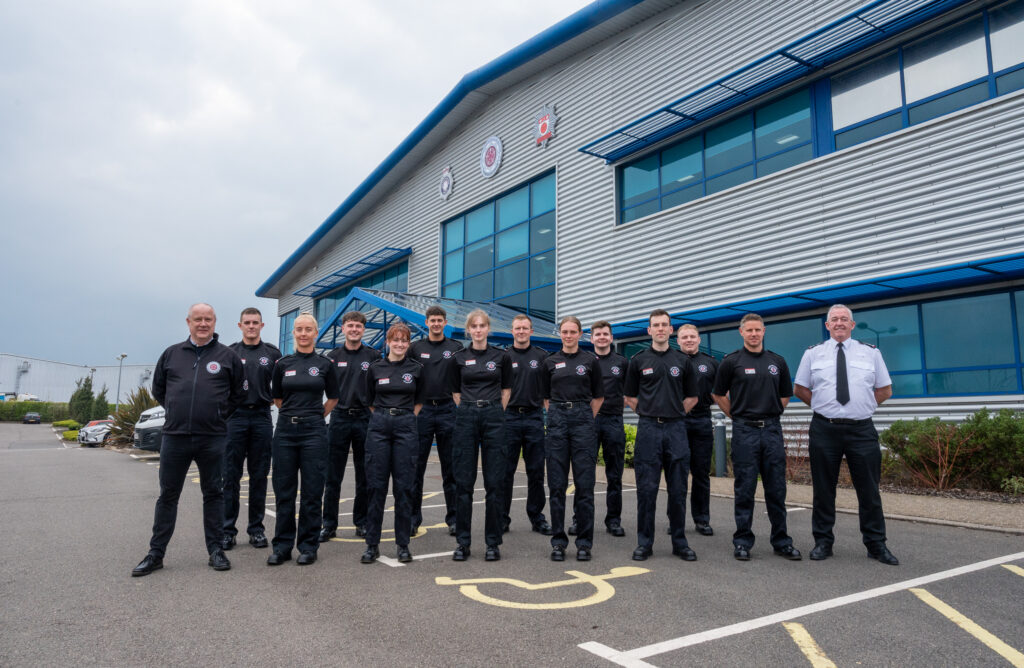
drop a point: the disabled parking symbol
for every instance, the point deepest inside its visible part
(602, 589)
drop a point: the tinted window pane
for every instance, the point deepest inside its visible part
(882, 126)
(511, 278)
(728, 145)
(478, 288)
(542, 268)
(682, 164)
(542, 302)
(543, 195)
(542, 232)
(1006, 24)
(791, 339)
(784, 160)
(454, 290)
(731, 179)
(403, 277)
(959, 382)
(895, 332)
(479, 256)
(783, 123)
(682, 196)
(971, 331)
(944, 60)
(480, 223)
(453, 237)
(867, 91)
(1019, 297)
(640, 181)
(1010, 82)
(453, 267)
(513, 243)
(724, 342)
(907, 385)
(518, 302)
(952, 102)
(640, 211)
(514, 208)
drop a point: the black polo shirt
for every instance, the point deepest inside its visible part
(660, 380)
(352, 366)
(395, 384)
(259, 361)
(704, 367)
(527, 376)
(572, 377)
(436, 358)
(301, 380)
(613, 373)
(755, 382)
(481, 375)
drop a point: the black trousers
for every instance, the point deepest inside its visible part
(571, 441)
(759, 451)
(177, 452)
(479, 429)
(298, 450)
(250, 431)
(524, 432)
(859, 442)
(392, 451)
(435, 423)
(611, 438)
(661, 445)
(701, 436)
(345, 430)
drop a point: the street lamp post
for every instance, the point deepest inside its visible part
(117, 399)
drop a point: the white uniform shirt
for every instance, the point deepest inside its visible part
(865, 371)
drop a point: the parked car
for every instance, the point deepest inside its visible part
(95, 433)
(31, 418)
(149, 429)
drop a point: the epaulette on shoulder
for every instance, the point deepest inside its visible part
(732, 354)
(869, 345)
(815, 345)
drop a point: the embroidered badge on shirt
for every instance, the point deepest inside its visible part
(648, 371)
(750, 372)
(343, 364)
(491, 366)
(559, 365)
(313, 371)
(383, 381)
(773, 370)
(213, 367)
(407, 378)
(674, 370)
(290, 372)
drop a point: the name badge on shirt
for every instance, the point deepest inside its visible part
(559, 365)
(343, 364)
(750, 372)
(515, 365)
(290, 373)
(470, 362)
(383, 381)
(648, 371)
(243, 360)
(425, 356)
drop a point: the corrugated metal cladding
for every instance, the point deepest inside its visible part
(603, 87)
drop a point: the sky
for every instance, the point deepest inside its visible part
(156, 154)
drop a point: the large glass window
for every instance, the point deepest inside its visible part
(504, 250)
(954, 327)
(1006, 25)
(866, 91)
(286, 343)
(945, 59)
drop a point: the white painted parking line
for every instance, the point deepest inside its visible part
(635, 657)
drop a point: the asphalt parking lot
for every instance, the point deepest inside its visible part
(77, 520)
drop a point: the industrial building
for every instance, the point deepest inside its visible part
(56, 381)
(715, 158)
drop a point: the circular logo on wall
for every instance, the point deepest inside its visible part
(616, 371)
(490, 157)
(447, 183)
(544, 125)
(674, 370)
(581, 370)
(364, 366)
(407, 378)
(264, 361)
(447, 354)
(491, 366)
(773, 370)
(533, 364)
(213, 367)
(703, 368)
(313, 371)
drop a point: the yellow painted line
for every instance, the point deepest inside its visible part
(995, 644)
(1014, 569)
(570, 490)
(808, 646)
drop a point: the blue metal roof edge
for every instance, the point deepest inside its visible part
(572, 26)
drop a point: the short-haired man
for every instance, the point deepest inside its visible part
(843, 381)
(661, 388)
(200, 384)
(349, 421)
(250, 431)
(699, 432)
(611, 436)
(752, 387)
(524, 424)
(436, 420)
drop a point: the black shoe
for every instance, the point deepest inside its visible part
(227, 542)
(572, 529)
(616, 530)
(278, 558)
(306, 558)
(404, 555)
(493, 553)
(219, 561)
(705, 530)
(327, 534)
(413, 530)
(558, 553)
(258, 540)
(370, 555)
(451, 529)
(505, 528)
(821, 552)
(543, 528)
(789, 552)
(148, 565)
(582, 554)
(685, 553)
(641, 553)
(741, 553)
(883, 555)
(461, 553)
(361, 531)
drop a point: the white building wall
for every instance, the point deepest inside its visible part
(55, 381)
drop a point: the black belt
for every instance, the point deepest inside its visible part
(299, 419)
(351, 411)
(437, 402)
(479, 403)
(661, 420)
(523, 409)
(567, 405)
(395, 411)
(842, 420)
(760, 424)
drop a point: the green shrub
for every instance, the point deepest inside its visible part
(1000, 454)
(100, 407)
(1013, 485)
(80, 404)
(70, 435)
(13, 411)
(123, 429)
(937, 454)
(67, 424)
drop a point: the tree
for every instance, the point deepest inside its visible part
(100, 407)
(81, 403)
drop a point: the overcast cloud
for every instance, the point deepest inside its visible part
(155, 154)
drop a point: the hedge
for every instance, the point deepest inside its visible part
(13, 411)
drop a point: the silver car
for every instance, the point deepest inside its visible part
(95, 434)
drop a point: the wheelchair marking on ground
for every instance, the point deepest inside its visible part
(952, 614)
(634, 657)
(811, 649)
(603, 591)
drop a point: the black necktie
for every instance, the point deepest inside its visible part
(842, 382)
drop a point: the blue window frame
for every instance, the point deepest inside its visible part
(285, 341)
(504, 250)
(394, 279)
(953, 67)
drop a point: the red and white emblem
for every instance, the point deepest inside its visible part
(544, 125)
(406, 378)
(490, 157)
(581, 370)
(213, 367)
(314, 371)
